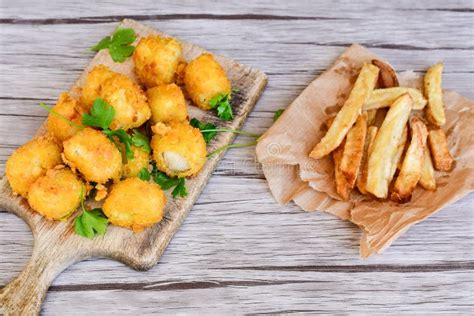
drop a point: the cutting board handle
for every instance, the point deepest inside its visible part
(24, 295)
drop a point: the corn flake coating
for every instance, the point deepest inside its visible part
(204, 79)
(156, 60)
(132, 167)
(70, 109)
(30, 161)
(57, 194)
(93, 85)
(93, 155)
(135, 204)
(179, 150)
(167, 103)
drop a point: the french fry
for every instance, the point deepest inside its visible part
(371, 115)
(349, 112)
(380, 98)
(343, 188)
(434, 94)
(385, 146)
(427, 180)
(369, 141)
(354, 149)
(387, 77)
(410, 172)
(439, 150)
(397, 158)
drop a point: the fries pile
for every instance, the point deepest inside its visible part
(380, 140)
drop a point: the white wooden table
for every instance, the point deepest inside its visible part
(238, 251)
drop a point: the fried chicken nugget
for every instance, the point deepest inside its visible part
(132, 167)
(178, 149)
(156, 60)
(30, 161)
(135, 204)
(93, 84)
(57, 194)
(70, 109)
(204, 79)
(93, 155)
(167, 103)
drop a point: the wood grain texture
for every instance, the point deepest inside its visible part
(231, 244)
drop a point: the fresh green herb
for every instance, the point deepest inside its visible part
(221, 103)
(119, 44)
(180, 189)
(208, 135)
(220, 149)
(235, 90)
(166, 183)
(140, 140)
(50, 110)
(124, 139)
(144, 174)
(101, 115)
(277, 114)
(90, 223)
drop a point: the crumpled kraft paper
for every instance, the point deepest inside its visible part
(293, 176)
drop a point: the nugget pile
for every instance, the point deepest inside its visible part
(381, 140)
(116, 140)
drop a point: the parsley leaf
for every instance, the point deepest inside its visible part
(208, 136)
(101, 115)
(277, 114)
(222, 104)
(140, 140)
(167, 183)
(90, 223)
(180, 189)
(124, 139)
(144, 174)
(119, 44)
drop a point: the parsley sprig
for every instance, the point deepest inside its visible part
(277, 114)
(119, 44)
(221, 103)
(208, 135)
(167, 182)
(90, 223)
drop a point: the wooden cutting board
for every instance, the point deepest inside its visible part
(56, 246)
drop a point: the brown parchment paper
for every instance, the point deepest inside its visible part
(293, 176)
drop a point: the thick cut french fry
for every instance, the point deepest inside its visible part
(371, 115)
(427, 180)
(434, 94)
(354, 149)
(387, 77)
(369, 141)
(397, 158)
(385, 146)
(410, 172)
(439, 150)
(380, 98)
(349, 112)
(343, 188)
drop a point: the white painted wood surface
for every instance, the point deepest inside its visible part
(239, 252)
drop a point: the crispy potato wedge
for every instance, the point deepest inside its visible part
(387, 77)
(343, 188)
(442, 158)
(354, 150)
(361, 181)
(410, 172)
(397, 158)
(371, 115)
(385, 146)
(349, 112)
(427, 180)
(434, 94)
(380, 98)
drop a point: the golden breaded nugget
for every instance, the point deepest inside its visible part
(156, 60)
(385, 146)
(427, 179)
(434, 94)
(30, 161)
(93, 84)
(410, 172)
(68, 108)
(349, 112)
(135, 204)
(132, 167)
(93, 155)
(439, 150)
(354, 150)
(178, 149)
(380, 98)
(388, 76)
(57, 194)
(167, 103)
(204, 79)
(361, 181)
